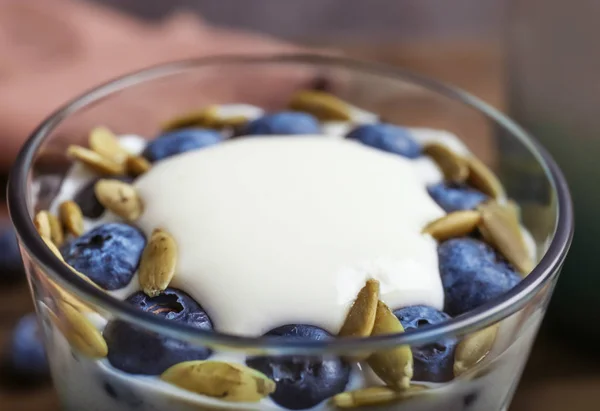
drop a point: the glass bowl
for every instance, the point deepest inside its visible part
(140, 103)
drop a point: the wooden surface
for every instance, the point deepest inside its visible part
(556, 378)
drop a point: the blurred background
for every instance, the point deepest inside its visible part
(538, 60)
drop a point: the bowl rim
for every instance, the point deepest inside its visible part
(504, 306)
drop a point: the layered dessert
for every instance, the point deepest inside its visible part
(320, 222)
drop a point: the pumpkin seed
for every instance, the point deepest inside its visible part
(324, 106)
(225, 381)
(95, 161)
(80, 332)
(158, 263)
(119, 197)
(374, 396)
(454, 167)
(56, 230)
(53, 248)
(230, 122)
(500, 227)
(42, 224)
(71, 217)
(394, 366)
(205, 117)
(454, 224)
(361, 316)
(105, 143)
(484, 179)
(473, 349)
(137, 165)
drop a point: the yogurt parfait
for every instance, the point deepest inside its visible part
(316, 222)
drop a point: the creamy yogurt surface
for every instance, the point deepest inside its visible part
(278, 230)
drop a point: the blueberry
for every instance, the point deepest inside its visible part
(432, 362)
(137, 351)
(180, 141)
(302, 382)
(284, 122)
(455, 197)
(387, 137)
(472, 274)
(11, 265)
(27, 352)
(87, 201)
(109, 254)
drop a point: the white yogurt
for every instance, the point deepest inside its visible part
(273, 231)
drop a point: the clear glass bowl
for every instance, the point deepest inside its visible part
(139, 103)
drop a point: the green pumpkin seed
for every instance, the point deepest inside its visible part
(119, 197)
(454, 167)
(105, 143)
(225, 381)
(207, 117)
(71, 217)
(57, 234)
(473, 349)
(158, 263)
(42, 224)
(375, 396)
(361, 316)
(137, 165)
(483, 179)
(80, 332)
(394, 366)
(455, 224)
(500, 227)
(95, 161)
(200, 118)
(324, 106)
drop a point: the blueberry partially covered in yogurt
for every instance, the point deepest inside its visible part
(180, 141)
(472, 274)
(454, 197)
(88, 202)
(302, 382)
(136, 351)
(283, 123)
(387, 137)
(108, 255)
(432, 362)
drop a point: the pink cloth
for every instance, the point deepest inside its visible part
(53, 50)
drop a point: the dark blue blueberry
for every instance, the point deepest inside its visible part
(472, 274)
(455, 197)
(387, 137)
(87, 201)
(432, 362)
(11, 265)
(109, 254)
(302, 382)
(27, 353)
(180, 141)
(137, 351)
(285, 122)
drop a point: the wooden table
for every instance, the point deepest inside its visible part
(556, 378)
